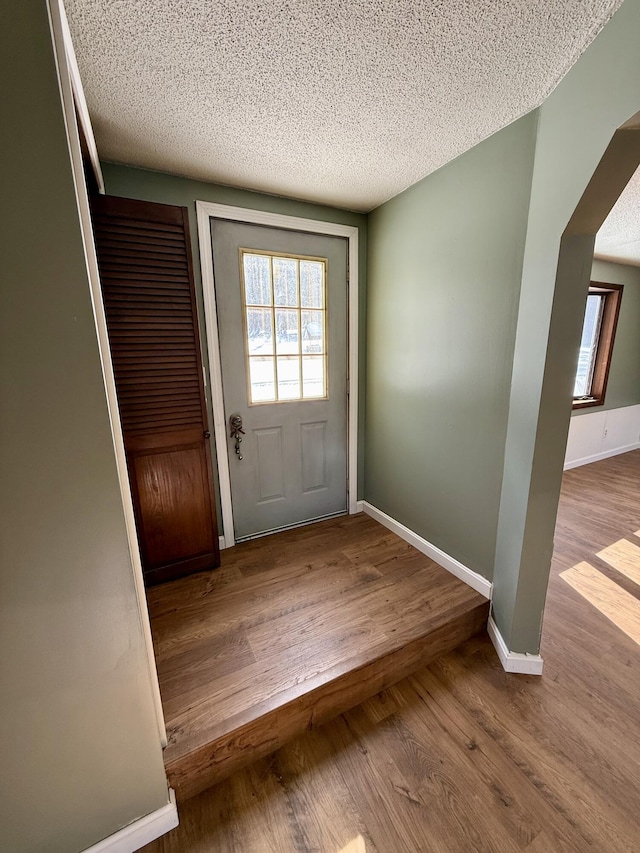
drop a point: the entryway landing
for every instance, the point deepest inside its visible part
(291, 631)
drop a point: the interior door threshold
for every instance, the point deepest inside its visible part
(241, 539)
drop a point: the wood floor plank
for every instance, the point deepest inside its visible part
(611, 600)
(313, 784)
(608, 666)
(522, 808)
(624, 556)
(259, 791)
(331, 630)
(167, 598)
(247, 686)
(345, 632)
(541, 765)
(268, 823)
(199, 755)
(548, 748)
(379, 707)
(256, 600)
(383, 795)
(205, 660)
(241, 647)
(419, 771)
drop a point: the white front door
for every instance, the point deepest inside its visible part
(282, 323)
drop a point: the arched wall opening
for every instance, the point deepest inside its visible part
(519, 596)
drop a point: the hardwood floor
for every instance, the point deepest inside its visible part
(293, 630)
(461, 757)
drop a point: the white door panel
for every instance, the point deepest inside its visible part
(294, 452)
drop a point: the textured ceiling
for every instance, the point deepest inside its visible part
(619, 237)
(345, 102)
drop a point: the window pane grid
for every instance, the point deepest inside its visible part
(285, 326)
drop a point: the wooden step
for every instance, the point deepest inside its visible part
(290, 632)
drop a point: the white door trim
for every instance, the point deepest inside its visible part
(80, 101)
(207, 211)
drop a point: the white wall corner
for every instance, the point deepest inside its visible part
(513, 661)
(462, 572)
(601, 434)
(143, 831)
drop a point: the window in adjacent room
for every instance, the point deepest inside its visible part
(596, 346)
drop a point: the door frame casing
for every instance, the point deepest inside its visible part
(206, 211)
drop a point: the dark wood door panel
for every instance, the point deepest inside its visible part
(174, 504)
(144, 255)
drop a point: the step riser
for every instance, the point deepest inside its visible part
(217, 760)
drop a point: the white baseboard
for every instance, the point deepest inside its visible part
(221, 543)
(473, 579)
(513, 661)
(605, 454)
(134, 836)
(360, 506)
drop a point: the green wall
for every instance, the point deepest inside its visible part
(445, 260)
(576, 124)
(143, 184)
(623, 388)
(80, 748)
(467, 425)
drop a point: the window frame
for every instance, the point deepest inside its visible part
(245, 306)
(612, 294)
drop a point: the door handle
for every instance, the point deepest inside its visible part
(236, 432)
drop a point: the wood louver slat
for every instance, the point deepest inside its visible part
(134, 225)
(128, 321)
(162, 279)
(165, 298)
(170, 335)
(152, 335)
(128, 244)
(148, 264)
(132, 234)
(150, 381)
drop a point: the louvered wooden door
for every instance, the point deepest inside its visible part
(144, 256)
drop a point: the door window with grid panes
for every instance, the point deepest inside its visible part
(284, 304)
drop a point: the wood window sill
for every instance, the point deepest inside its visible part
(590, 402)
